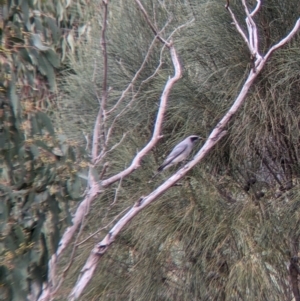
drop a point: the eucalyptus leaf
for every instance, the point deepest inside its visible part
(35, 151)
(53, 58)
(14, 99)
(47, 69)
(71, 41)
(45, 121)
(25, 11)
(37, 42)
(54, 29)
(38, 25)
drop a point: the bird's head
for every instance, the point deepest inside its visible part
(194, 138)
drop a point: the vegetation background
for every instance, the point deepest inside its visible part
(229, 230)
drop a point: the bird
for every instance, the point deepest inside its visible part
(179, 153)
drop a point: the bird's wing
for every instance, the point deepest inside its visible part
(177, 151)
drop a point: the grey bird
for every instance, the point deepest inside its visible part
(179, 153)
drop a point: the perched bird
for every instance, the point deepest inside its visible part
(179, 153)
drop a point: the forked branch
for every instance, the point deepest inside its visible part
(217, 134)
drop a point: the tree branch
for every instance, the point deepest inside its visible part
(91, 263)
(101, 113)
(155, 31)
(217, 134)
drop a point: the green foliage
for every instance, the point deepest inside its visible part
(229, 230)
(38, 167)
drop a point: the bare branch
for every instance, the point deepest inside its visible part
(217, 134)
(136, 74)
(256, 8)
(101, 113)
(238, 27)
(157, 127)
(155, 31)
(285, 40)
(252, 30)
(88, 270)
(103, 153)
(66, 269)
(105, 227)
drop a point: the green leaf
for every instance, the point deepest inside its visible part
(71, 41)
(41, 144)
(33, 54)
(3, 214)
(53, 58)
(28, 201)
(18, 235)
(35, 130)
(14, 99)
(37, 42)
(59, 11)
(63, 49)
(45, 121)
(24, 55)
(38, 24)
(74, 188)
(54, 29)
(25, 11)
(35, 151)
(16, 40)
(2, 140)
(68, 3)
(47, 69)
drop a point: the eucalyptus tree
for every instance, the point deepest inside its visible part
(39, 166)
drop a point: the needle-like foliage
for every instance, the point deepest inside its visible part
(229, 230)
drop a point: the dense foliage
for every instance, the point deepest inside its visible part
(229, 229)
(227, 233)
(39, 167)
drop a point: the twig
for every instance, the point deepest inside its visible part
(116, 193)
(103, 153)
(136, 74)
(155, 31)
(238, 27)
(101, 113)
(105, 227)
(91, 263)
(218, 132)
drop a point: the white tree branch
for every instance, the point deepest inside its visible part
(157, 127)
(217, 133)
(91, 263)
(135, 77)
(239, 29)
(285, 40)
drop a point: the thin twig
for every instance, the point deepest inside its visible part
(98, 128)
(155, 31)
(217, 133)
(137, 74)
(99, 230)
